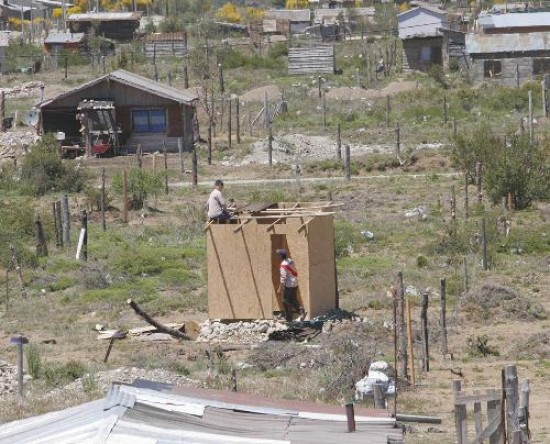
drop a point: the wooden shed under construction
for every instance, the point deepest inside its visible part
(243, 268)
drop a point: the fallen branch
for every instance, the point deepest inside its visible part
(162, 328)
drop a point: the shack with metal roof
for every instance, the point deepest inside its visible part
(510, 49)
(148, 114)
(243, 266)
(112, 25)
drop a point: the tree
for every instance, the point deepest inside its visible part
(229, 13)
(297, 4)
(520, 170)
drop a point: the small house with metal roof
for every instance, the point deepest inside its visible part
(418, 30)
(112, 25)
(144, 113)
(510, 49)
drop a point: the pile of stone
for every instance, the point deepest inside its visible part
(29, 89)
(242, 332)
(14, 143)
(8, 379)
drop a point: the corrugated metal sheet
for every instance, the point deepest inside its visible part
(153, 418)
(104, 16)
(292, 15)
(420, 22)
(64, 37)
(514, 20)
(311, 59)
(133, 80)
(495, 43)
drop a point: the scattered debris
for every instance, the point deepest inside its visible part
(367, 234)
(160, 327)
(379, 372)
(419, 212)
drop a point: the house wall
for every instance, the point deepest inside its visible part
(61, 116)
(514, 70)
(243, 268)
(416, 50)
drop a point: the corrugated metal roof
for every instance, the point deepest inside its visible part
(495, 43)
(65, 37)
(134, 80)
(293, 15)
(514, 20)
(104, 16)
(157, 417)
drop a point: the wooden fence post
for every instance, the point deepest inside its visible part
(66, 220)
(238, 119)
(424, 326)
(103, 200)
(401, 330)
(397, 139)
(83, 244)
(511, 389)
(270, 146)
(379, 396)
(460, 415)
(229, 125)
(445, 119)
(57, 223)
(195, 167)
(125, 196)
(180, 153)
(324, 109)
(41, 246)
(443, 316)
(339, 143)
(466, 198)
(388, 110)
(410, 340)
(350, 417)
(185, 77)
(165, 155)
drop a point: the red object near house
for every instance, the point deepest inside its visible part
(100, 148)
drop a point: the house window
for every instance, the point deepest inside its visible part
(492, 68)
(149, 120)
(541, 66)
(426, 54)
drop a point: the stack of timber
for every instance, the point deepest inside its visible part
(311, 59)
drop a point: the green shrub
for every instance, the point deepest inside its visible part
(34, 361)
(43, 171)
(140, 184)
(57, 375)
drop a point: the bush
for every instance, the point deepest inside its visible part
(43, 171)
(140, 185)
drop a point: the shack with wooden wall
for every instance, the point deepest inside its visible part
(243, 268)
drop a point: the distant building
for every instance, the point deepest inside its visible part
(422, 41)
(21, 8)
(58, 42)
(286, 21)
(119, 26)
(509, 49)
(146, 112)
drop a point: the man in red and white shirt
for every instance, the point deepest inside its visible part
(288, 286)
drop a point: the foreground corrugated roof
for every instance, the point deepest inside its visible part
(134, 80)
(140, 415)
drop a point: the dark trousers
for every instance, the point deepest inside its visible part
(290, 302)
(221, 218)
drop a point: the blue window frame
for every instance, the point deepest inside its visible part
(149, 120)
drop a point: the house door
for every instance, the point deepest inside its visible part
(149, 120)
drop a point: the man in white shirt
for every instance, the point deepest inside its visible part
(216, 205)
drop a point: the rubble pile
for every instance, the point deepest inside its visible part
(12, 144)
(251, 332)
(242, 332)
(29, 89)
(8, 379)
